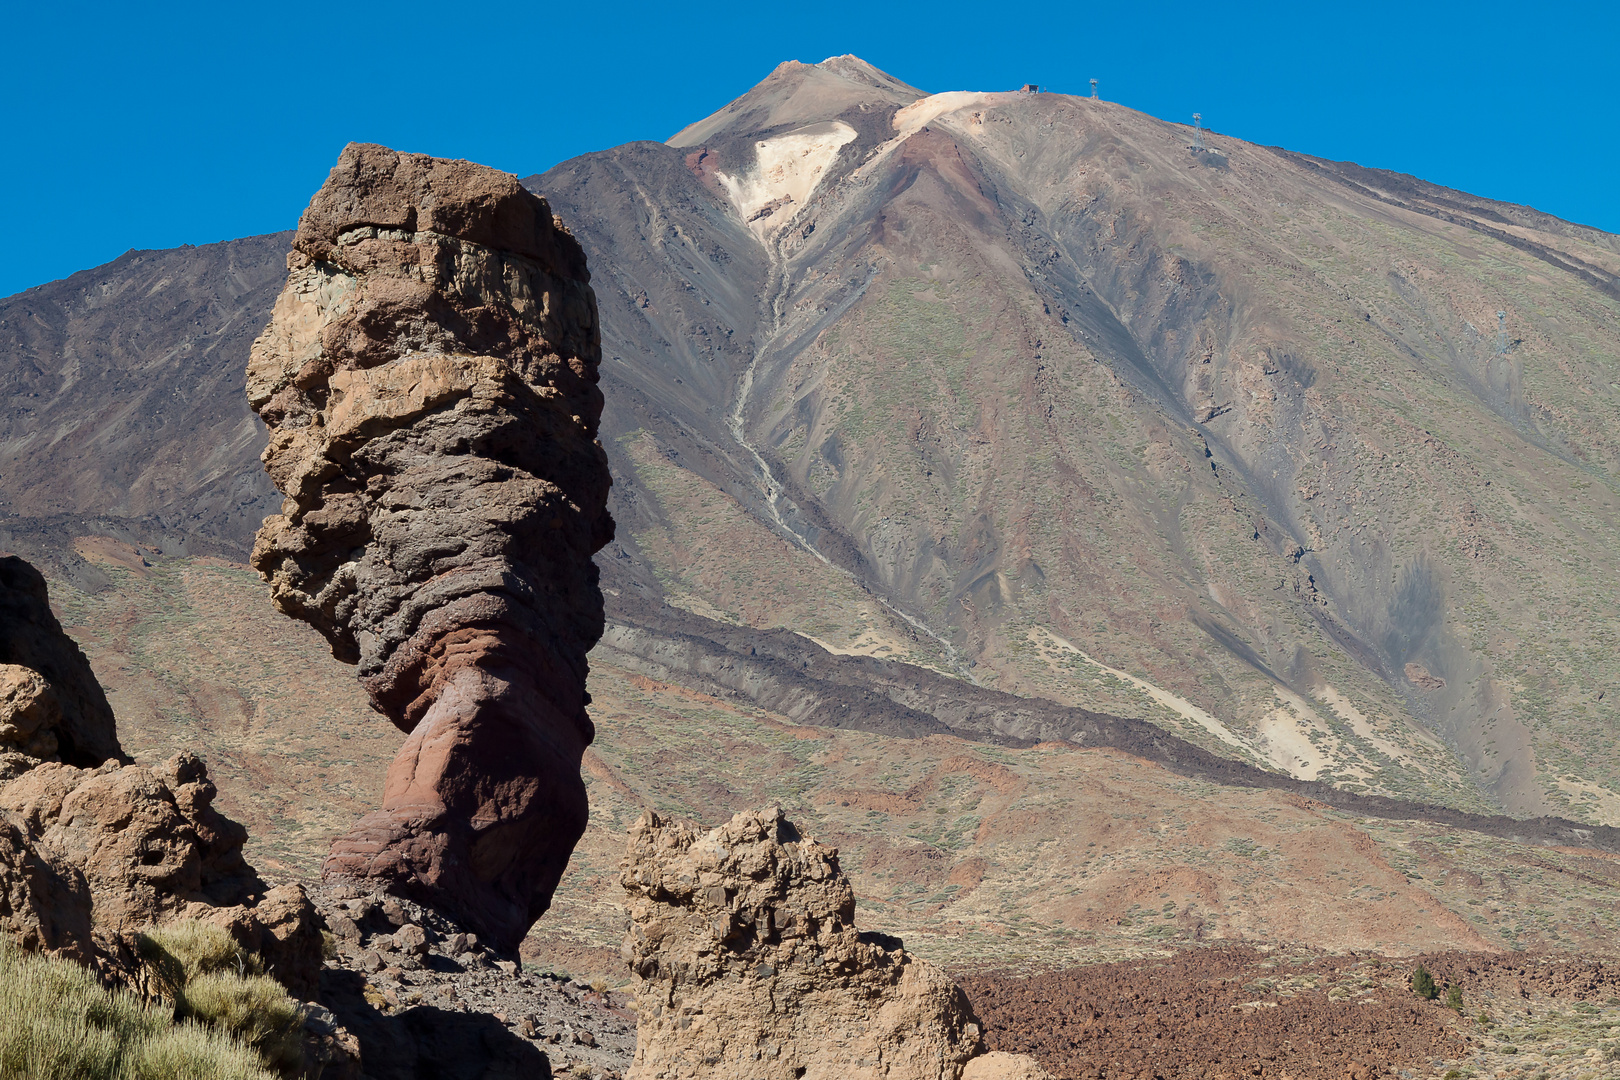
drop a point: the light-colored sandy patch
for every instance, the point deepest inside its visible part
(1600, 804)
(1361, 725)
(697, 605)
(105, 551)
(871, 638)
(1179, 705)
(786, 170)
(926, 110)
(1285, 736)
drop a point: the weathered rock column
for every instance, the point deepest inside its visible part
(750, 967)
(429, 378)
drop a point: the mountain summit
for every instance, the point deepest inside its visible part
(797, 94)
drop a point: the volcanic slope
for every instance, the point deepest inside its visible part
(1025, 388)
(124, 407)
(1019, 388)
(977, 853)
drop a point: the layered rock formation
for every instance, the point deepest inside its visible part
(429, 378)
(750, 966)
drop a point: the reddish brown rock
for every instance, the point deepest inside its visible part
(429, 378)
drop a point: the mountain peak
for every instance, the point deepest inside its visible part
(796, 94)
(851, 67)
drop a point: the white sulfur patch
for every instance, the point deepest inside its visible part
(786, 171)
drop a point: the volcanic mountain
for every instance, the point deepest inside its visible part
(1032, 391)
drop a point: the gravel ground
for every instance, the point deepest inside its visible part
(425, 998)
(1246, 1012)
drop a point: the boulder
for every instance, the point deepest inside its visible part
(93, 850)
(121, 829)
(281, 927)
(750, 967)
(30, 714)
(45, 906)
(51, 706)
(429, 379)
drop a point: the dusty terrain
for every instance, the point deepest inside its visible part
(1041, 854)
(1021, 859)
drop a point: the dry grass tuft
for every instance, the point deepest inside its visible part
(253, 1009)
(57, 1022)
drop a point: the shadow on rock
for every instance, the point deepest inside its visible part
(427, 1043)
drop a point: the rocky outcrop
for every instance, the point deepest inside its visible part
(426, 999)
(51, 706)
(751, 968)
(429, 378)
(90, 857)
(94, 850)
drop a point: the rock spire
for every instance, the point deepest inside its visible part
(429, 379)
(750, 967)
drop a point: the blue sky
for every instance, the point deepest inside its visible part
(151, 126)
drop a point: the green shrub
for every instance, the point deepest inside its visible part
(1454, 1000)
(1423, 984)
(57, 1022)
(190, 1051)
(216, 983)
(254, 1009)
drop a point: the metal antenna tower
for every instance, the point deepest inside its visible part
(1501, 333)
(1093, 89)
(1198, 133)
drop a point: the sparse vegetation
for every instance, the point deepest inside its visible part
(253, 1009)
(175, 954)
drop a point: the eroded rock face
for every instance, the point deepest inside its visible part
(429, 378)
(51, 706)
(90, 857)
(751, 968)
(94, 850)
